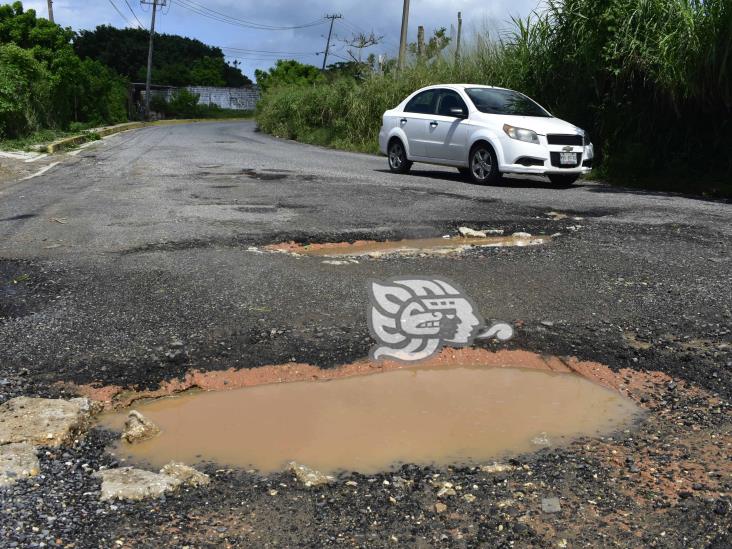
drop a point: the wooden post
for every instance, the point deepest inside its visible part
(459, 36)
(403, 39)
(420, 43)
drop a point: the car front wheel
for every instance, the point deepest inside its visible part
(398, 161)
(484, 165)
(562, 180)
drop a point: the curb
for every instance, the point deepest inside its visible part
(83, 138)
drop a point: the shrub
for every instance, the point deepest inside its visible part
(24, 92)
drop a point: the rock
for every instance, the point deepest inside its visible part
(471, 233)
(440, 507)
(17, 460)
(497, 468)
(470, 498)
(444, 489)
(134, 484)
(521, 235)
(185, 474)
(44, 421)
(550, 505)
(309, 477)
(547, 323)
(496, 232)
(139, 428)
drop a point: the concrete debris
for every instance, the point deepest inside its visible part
(17, 460)
(468, 232)
(440, 507)
(497, 468)
(309, 477)
(139, 428)
(44, 421)
(185, 474)
(134, 484)
(521, 235)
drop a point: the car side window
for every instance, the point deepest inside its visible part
(449, 100)
(423, 103)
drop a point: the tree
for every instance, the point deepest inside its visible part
(178, 61)
(360, 42)
(288, 72)
(437, 42)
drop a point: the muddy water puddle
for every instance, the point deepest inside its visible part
(407, 246)
(370, 423)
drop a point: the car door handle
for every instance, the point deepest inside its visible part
(433, 124)
(403, 121)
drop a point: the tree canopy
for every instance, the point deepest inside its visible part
(178, 60)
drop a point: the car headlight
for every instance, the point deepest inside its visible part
(521, 134)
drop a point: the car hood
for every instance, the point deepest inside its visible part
(540, 125)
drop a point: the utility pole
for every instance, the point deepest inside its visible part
(420, 43)
(332, 18)
(50, 11)
(460, 32)
(403, 39)
(154, 4)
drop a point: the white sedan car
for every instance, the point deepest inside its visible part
(484, 132)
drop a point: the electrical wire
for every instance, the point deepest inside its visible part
(120, 13)
(224, 18)
(134, 15)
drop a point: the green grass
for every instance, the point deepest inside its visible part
(651, 80)
(31, 141)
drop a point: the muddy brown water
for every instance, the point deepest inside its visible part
(441, 416)
(415, 245)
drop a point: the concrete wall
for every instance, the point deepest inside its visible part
(241, 99)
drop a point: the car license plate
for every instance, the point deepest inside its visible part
(568, 158)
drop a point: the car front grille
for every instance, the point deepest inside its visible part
(560, 139)
(555, 161)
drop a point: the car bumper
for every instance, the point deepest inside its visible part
(543, 159)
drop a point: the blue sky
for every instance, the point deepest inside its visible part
(381, 16)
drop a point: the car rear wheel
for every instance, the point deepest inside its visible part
(398, 161)
(484, 165)
(562, 180)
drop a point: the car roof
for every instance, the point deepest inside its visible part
(461, 86)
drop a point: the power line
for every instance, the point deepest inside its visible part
(122, 15)
(225, 18)
(134, 15)
(244, 50)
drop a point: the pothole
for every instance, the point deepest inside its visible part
(446, 412)
(444, 245)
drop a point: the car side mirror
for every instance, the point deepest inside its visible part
(458, 112)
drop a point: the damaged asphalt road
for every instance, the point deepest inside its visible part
(142, 258)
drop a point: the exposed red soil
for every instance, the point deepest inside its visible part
(116, 396)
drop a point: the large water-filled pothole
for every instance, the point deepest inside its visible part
(425, 415)
(443, 245)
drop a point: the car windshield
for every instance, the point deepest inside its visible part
(495, 101)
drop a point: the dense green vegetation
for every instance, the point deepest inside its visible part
(178, 61)
(651, 80)
(44, 84)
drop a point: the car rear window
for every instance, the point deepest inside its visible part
(494, 101)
